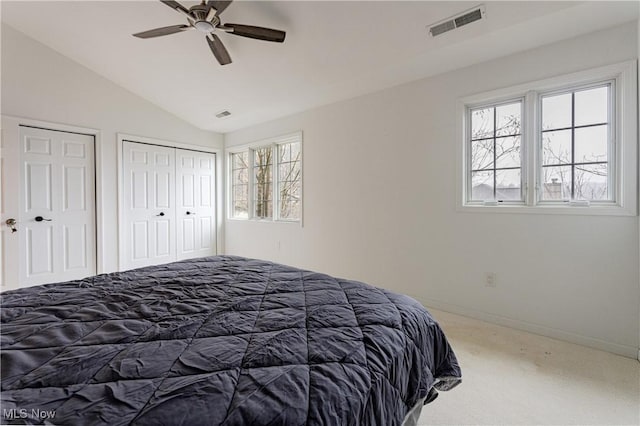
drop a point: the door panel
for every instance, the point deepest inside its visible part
(74, 194)
(195, 211)
(149, 204)
(56, 229)
(75, 247)
(39, 251)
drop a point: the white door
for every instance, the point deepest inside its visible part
(149, 204)
(195, 204)
(56, 223)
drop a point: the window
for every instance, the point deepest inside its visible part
(289, 180)
(240, 185)
(271, 171)
(496, 162)
(263, 182)
(553, 145)
(576, 140)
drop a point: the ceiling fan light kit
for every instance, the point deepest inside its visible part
(205, 18)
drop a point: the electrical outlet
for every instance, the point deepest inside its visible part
(490, 279)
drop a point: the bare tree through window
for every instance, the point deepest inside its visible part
(289, 180)
(496, 152)
(267, 181)
(240, 185)
(575, 141)
(263, 181)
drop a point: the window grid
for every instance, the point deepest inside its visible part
(494, 138)
(288, 191)
(239, 163)
(271, 194)
(573, 164)
(263, 182)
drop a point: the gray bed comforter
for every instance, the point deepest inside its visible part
(217, 341)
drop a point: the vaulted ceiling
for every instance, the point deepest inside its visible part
(334, 50)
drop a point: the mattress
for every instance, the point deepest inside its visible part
(222, 340)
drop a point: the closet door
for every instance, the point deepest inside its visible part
(56, 222)
(195, 204)
(149, 204)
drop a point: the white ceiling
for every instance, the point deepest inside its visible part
(334, 50)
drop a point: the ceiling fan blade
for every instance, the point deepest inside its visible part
(258, 33)
(218, 49)
(163, 31)
(211, 14)
(219, 5)
(177, 6)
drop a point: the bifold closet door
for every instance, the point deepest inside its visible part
(195, 204)
(149, 204)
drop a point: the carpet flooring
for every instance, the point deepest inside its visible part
(511, 377)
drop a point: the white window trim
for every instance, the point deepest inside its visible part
(523, 150)
(273, 142)
(625, 143)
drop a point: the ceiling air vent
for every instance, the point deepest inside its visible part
(223, 114)
(457, 21)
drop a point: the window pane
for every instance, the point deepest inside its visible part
(286, 171)
(591, 182)
(482, 154)
(508, 185)
(240, 176)
(289, 197)
(262, 156)
(263, 191)
(290, 209)
(295, 151)
(284, 152)
(556, 111)
(591, 144)
(263, 209)
(482, 123)
(290, 189)
(508, 152)
(482, 186)
(289, 181)
(556, 183)
(241, 192)
(289, 172)
(240, 160)
(262, 179)
(240, 185)
(508, 119)
(240, 209)
(556, 147)
(592, 106)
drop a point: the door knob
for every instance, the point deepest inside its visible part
(188, 213)
(40, 219)
(161, 214)
(11, 223)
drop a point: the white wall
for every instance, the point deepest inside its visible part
(379, 206)
(39, 83)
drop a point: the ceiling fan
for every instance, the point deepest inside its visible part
(205, 17)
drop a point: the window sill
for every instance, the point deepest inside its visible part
(593, 210)
(237, 219)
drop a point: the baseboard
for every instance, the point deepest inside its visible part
(616, 348)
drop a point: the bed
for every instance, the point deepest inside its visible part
(222, 340)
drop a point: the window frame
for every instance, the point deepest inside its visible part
(622, 151)
(468, 157)
(274, 144)
(612, 112)
(232, 184)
